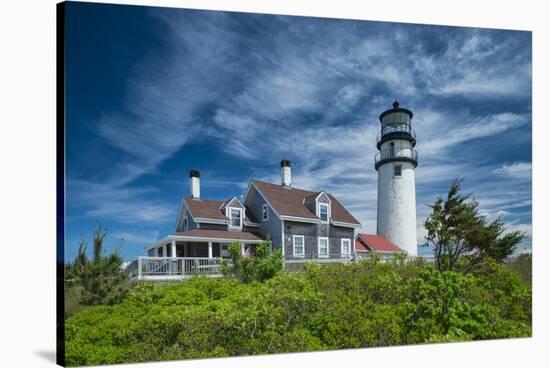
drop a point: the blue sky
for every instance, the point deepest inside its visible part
(155, 92)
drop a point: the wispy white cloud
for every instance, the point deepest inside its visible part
(311, 91)
(137, 238)
(527, 229)
(516, 170)
(121, 203)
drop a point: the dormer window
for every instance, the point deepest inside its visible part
(323, 211)
(185, 224)
(235, 216)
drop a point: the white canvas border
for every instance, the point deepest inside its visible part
(27, 151)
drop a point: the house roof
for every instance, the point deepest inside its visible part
(205, 208)
(375, 243)
(360, 247)
(221, 234)
(291, 202)
(311, 197)
(210, 209)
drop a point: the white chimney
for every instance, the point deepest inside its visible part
(286, 178)
(195, 176)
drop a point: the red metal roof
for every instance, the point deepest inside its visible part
(375, 243)
(360, 246)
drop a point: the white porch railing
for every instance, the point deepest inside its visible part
(173, 267)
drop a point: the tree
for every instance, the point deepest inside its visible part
(101, 279)
(462, 237)
(261, 265)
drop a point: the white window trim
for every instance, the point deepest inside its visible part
(265, 208)
(319, 204)
(231, 226)
(319, 247)
(294, 246)
(342, 254)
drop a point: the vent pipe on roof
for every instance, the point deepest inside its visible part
(286, 177)
(195, 181)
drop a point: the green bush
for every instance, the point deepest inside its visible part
(97, 281)
(261, 265)
(523, 266)
(361, 304)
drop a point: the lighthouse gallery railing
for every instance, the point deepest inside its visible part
(395, 128)
(396, 152)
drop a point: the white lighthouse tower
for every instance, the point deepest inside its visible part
(396, 163)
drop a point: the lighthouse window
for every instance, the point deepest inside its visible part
(397, 170)
(392, 149)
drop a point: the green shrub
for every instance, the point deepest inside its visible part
(261, 265)
(361, 304)
(97, 281)
(523, 266)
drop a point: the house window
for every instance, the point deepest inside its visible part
(298, 245)
(235, 215)
(323, 212)
(345, 247)
(323, 247)
(159, 252)
(185, 224)
(397, 170)
(265, 213)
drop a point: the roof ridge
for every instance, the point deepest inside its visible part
(279, 186)
(202, 199)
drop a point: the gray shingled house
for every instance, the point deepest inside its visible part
(305, 225)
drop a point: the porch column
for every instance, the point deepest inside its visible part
(164, 250)
(242, 248)
(209, 249)
(173, 249)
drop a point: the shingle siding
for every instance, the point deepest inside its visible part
(234, 203)
(311, 233)
(323, 198)
(252, 229)
(205, 226)
(190, 223)
(254, 202)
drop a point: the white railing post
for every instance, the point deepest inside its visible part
(173, 260)
(151, 267)
(173, 249)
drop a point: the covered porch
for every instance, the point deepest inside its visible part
(194, 252)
